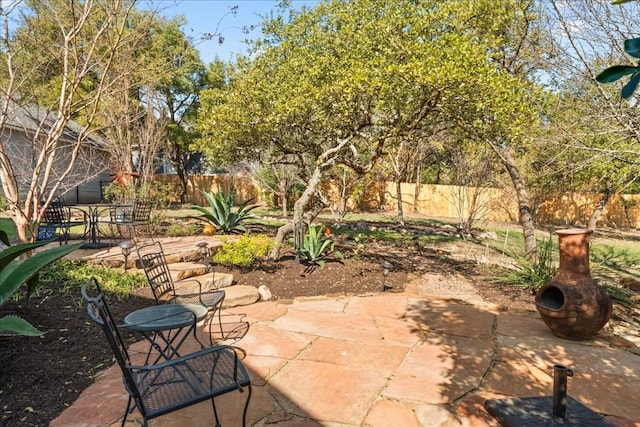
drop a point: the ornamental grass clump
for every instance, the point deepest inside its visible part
(532, 274)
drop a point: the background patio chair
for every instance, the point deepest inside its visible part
(177, 383)
(156, 269)
(131, 217)
(57, 220)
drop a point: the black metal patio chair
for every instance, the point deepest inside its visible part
(156, 269)
(57, 220)
(131, 218)
(175, 384)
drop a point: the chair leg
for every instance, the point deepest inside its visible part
(195, 336)
(215, 411)
(126, 412)
(246, 406)
(213, 314)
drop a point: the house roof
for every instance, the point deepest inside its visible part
(30, 118)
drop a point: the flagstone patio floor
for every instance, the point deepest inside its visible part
(389, 359)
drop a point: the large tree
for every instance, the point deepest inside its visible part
(592, 135)
(160, 76)
(341, 83)
(56, 57)
(178, 86)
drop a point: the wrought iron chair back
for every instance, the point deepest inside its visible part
(142, 211)
(156, 269)
(100, 313)
(131, 217)
(54, 213)
(57, 216)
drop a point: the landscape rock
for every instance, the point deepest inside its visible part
(488, 235)
(264, 292)
(190, 285)
(240, 295)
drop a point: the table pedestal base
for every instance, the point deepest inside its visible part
(538, 412)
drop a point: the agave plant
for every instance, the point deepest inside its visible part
(318, 247)
(221, 213)
(15, 272)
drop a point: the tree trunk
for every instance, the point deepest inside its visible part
(298, 213)
(182, 178)
(418, 187)
(282, 187)
(399, 196)
(524, 204)
(23, 233)
(324, 162)
(597, 212)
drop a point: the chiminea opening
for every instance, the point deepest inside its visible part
(552, 297)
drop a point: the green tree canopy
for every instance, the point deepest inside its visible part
(345, 81)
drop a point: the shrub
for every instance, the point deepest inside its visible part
(179, 229)
(243, 251)
(114, 193)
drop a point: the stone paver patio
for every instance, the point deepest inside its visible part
(390, 360)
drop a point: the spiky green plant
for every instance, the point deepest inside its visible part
(14, 272)
(533, 274)
(317, 248)
(222, 214)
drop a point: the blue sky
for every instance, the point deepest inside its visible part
(203, 16)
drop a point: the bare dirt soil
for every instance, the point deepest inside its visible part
(42, 376)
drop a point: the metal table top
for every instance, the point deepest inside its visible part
(164, 316)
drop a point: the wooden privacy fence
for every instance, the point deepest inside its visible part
(447, 201)
(244, 186)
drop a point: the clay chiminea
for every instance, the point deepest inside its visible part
(572, 305)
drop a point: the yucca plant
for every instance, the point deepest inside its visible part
(533, 274)
(317, 247)
(221, 213)
(15, 272)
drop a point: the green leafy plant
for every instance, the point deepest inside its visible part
(114, 193)
(222, 214)
(14, 272)
(317, 247)
(4, 238)
(533, 275)
(179, 229)
(243, 251)
(616, 72)
(359, 244)
(73, 274)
